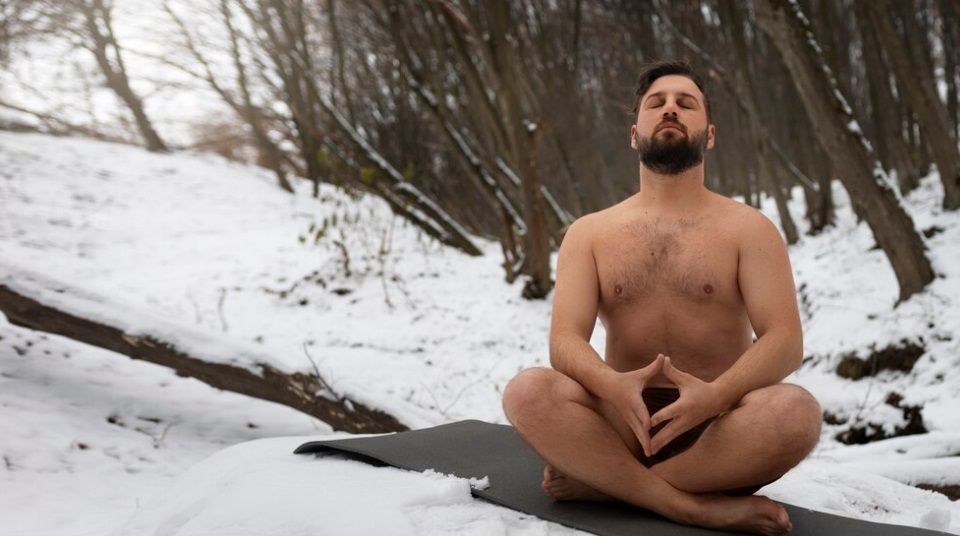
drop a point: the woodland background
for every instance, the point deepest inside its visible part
(508, 119)
(488, 126)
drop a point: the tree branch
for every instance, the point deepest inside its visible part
(304, 392)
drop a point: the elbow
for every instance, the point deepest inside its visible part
(787, 346)
(556, 347)
(794, 350)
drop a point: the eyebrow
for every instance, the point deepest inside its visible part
(680, 93)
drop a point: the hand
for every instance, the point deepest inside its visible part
(697, 403)
(627, 398)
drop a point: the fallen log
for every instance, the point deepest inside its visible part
(306, 392)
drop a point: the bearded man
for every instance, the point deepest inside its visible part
(686, 414)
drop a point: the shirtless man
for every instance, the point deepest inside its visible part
(686, 416)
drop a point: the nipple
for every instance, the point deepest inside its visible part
(618, 290)
(708, 289)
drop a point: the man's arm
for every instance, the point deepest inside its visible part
(576, 301)
(769, 295)
(575, 305)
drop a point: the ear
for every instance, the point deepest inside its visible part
(711, 135)
(633, 137)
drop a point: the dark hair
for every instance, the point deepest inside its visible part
(655, 70)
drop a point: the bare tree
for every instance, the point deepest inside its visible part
(17, 24)
(93, 27)
(911, 63)
(241, 99)
(282, 33)
(458, 53)
(950, 20)
(279, 48)
(887, 114)
(508, 120)
(873, 195)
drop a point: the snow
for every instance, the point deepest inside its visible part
(213, 255)
(259, 488)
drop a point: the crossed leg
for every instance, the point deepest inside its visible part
(592, 454)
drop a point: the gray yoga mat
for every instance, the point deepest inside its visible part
(475, 449)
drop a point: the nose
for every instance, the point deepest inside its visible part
(670, 108)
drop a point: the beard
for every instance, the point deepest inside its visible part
(672, 156)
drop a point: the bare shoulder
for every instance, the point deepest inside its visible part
(589, 228)
(747, 223)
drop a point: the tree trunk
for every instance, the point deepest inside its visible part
(539, 282)
(307, 393)
(488, 139)
(872, 194)
(286, 45)
(820, 206)
(269, 155)
(915, 76)
(951, 40)
(522, 115)
(95, 13)
(251, 113)
(888, 125)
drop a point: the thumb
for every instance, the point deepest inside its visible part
(653, 368)
(672, 373)
(657, 364)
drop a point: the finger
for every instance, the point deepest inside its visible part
(668, 433)
(674, 374)
(640, 428)
(643, 430)
(643, 415)
(645, 443)
(654, 368)
(643, 436)
(664, 415)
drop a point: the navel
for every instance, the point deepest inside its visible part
(708, 288)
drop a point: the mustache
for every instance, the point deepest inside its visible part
(671, 122)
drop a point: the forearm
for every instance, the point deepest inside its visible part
(574, 357)
(767, 362)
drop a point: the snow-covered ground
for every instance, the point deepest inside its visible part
(187, 246)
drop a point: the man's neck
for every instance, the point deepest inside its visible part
(682, 191)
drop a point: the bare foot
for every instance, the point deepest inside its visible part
(563, 488)
(754, 514)
(750, 514)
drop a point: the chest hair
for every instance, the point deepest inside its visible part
(661, 258)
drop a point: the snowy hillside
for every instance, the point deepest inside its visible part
(95, 443)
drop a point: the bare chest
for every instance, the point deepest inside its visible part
(690, 262)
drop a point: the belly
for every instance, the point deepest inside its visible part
(702, 340)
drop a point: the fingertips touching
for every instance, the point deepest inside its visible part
(655, 418)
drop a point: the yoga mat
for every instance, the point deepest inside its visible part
(476, 449)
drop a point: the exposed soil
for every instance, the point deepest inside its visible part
(900, 358)
(869, 432)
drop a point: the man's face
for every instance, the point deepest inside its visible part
(671, 133)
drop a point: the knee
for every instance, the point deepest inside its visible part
(526, 393)
(796, 414)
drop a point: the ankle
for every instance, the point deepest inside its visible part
(681, 507)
